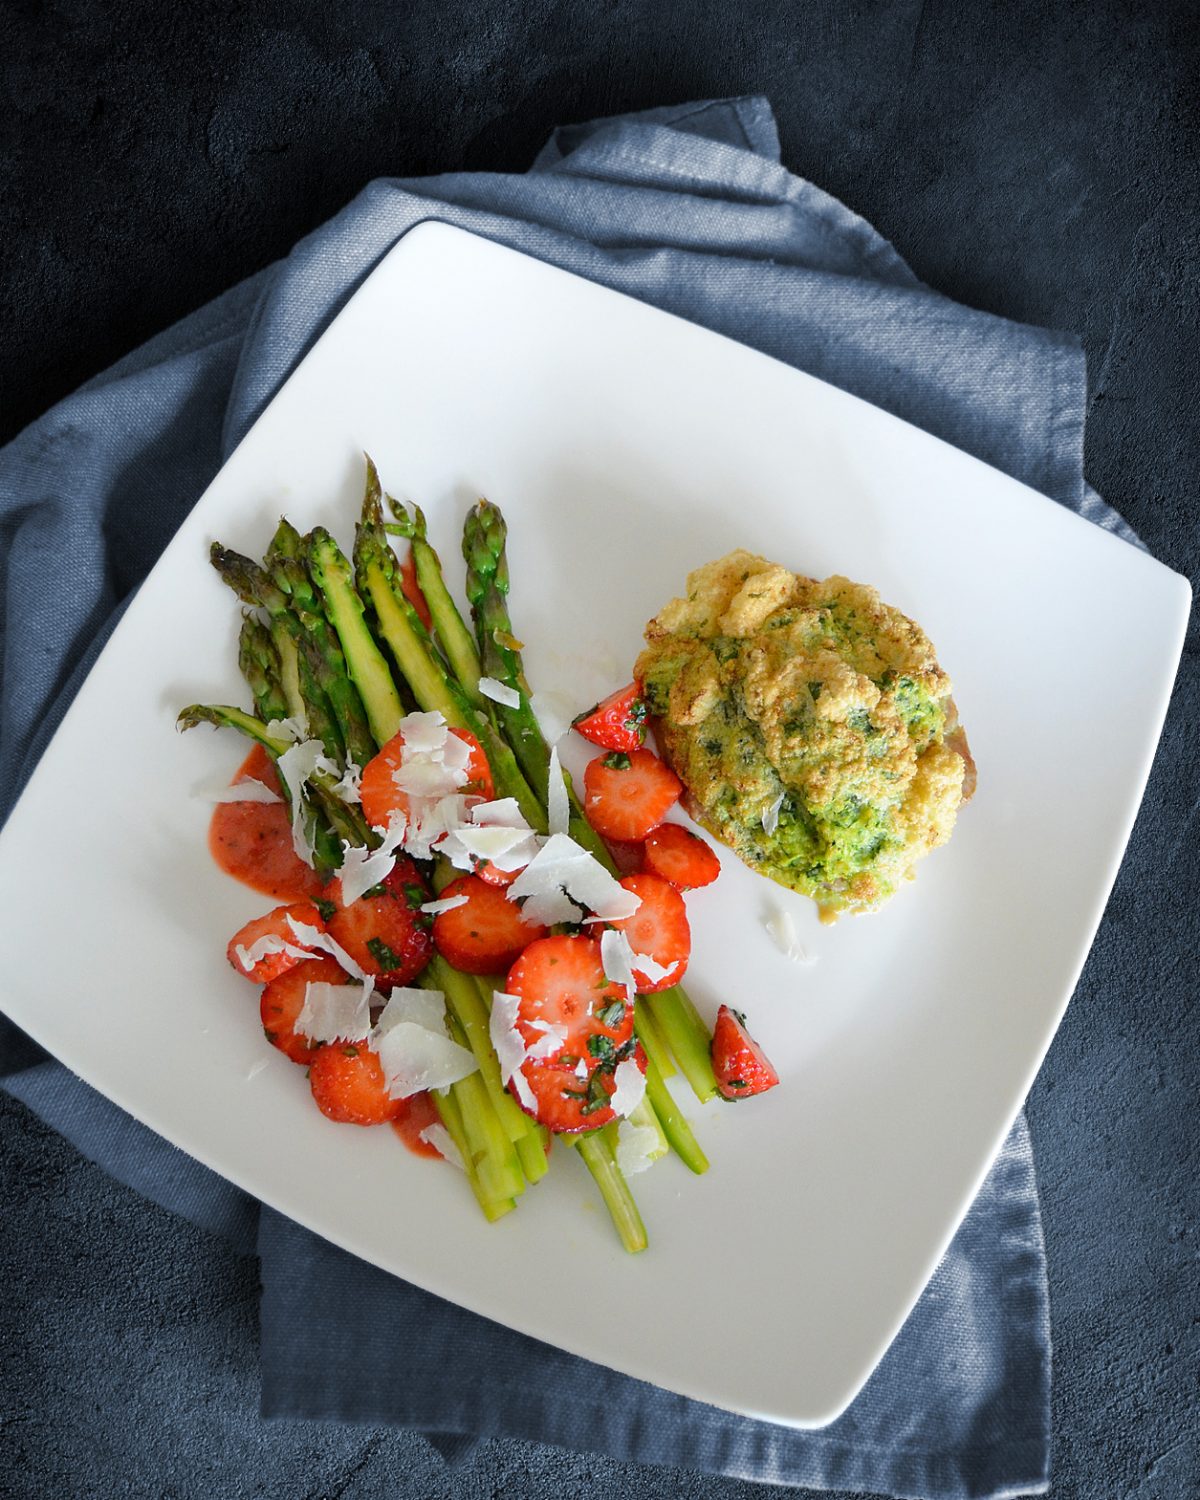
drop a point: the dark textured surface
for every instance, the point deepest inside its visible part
(1035, 161)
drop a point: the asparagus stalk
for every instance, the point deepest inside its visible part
(450, 1113)
(258, 658)
(254, 585)
(600, 1161)
(365, 663)
(452, 632)
(418, 661)
(285, 564)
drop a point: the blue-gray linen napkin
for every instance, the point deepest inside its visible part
(687, 208)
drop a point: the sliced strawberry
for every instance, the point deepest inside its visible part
(565, 1103)
(385, 933)
(488, 873)
(561, 980)
(485, 935)
(628, 795)
(283, 1000)
(348, 1084)
(381, 797)
(628, 855)
(619, 723)
(659, 929)
(412, 590)
(680, 857)
(275, 925)
(738, 1061)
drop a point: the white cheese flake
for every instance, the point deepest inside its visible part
(348, 789)
(616, 958)
(558, 803)
(363, 868)
(414, 1058)
(581, 1068)
(292, 730)
(423, 733)
(630, 1089)
(298, 763)
(638, 1147)
(447, 903)
(509, 1045)
(550, 908)
(313, 938)
(437, 1136)
(422, 1007)
(504, 810)
(554, 713)
(263, 947)
(562, 865)
(499, 692)
(334, 1012)
(770, 815)
(237, 791)
(650, 969)
(783, 933)
(548, 1045)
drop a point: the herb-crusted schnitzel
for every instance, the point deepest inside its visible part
(811, 726)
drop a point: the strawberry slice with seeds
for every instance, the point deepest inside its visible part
(349, 1086)
(619, 723)
(384, 931)
(382, 798)
(676, 854)
(283, 1000)
(659, 930)
(741, 1065)
(567, 1104)
(627, 795)
(486, 934)
(274, 925)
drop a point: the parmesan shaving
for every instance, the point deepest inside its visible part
(348, 789)
(562, 865)
(509, 1045)
(505, 810)
(553, 713)
(550, 908)
(334, 1012)
(425, 1008)
(630, 1087)
(311, 937)
(616, 958)
(292, 730)
(414, 1058)
(638, 1147)
(770, 815)
(423, 733)
(548, 1045)
(363, 868)
(447, 903)
(238, 791)
(499, 692)
(263, 947)
(298, 764)
(437, 1136)
(783, 933)
(557, 801)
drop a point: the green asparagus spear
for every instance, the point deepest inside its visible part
(259, 661)
(255, 586)
(285, 563)
(448, 624)
(368, 670)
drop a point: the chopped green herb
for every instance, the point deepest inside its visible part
(385, 957)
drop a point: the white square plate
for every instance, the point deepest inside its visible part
(626, 447)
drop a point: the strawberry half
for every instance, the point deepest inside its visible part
(680, 857)
(619, 723)
(274, 924)
(627, 795)
(659, 929)
(740, 1064)
(486, 934)
(283, 1000)
(349, 1086)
